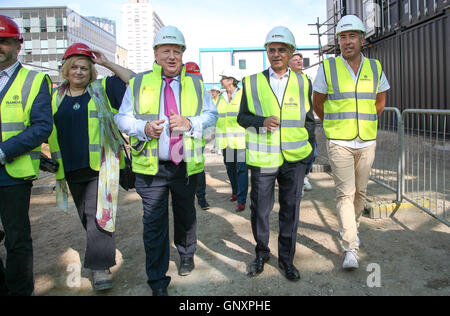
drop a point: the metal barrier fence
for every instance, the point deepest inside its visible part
(426, 161)
(386, 169)
(412, 158)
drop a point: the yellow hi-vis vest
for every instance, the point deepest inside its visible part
(146, 89)
(349, 110)
(290, 141)
(93, 132)
(228, 132)
(15, 118)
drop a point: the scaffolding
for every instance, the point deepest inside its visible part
(332, 46)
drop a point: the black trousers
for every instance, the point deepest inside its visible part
(100, 247)
(16, 277)
(154, 191)
(290, 181)
(200, 191)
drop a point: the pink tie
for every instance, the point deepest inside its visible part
(176, 139)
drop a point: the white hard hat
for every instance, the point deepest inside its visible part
(298, 53)
(232, 72)
(350, 23)
(169, 35)
(215, 88)
(280, 34)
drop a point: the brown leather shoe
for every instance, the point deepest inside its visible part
(233, 198)
(240, 207)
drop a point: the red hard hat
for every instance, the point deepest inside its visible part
(193, 68)
(78, 49)
(9, 28)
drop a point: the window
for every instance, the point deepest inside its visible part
(43, 24)
(28, 47)
(26, 26)
(242, 64)
(305, 62)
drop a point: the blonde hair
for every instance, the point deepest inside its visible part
(64, 72)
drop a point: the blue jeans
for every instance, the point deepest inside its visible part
(237, 171)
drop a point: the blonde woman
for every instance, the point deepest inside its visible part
(85, 141)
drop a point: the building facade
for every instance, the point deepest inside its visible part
(48, 31)
(140, 24)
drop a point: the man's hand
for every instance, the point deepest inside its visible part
(271, 123)
(178, 122)
(153, 129)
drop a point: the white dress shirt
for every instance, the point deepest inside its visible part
(278, 84)
(127, 122)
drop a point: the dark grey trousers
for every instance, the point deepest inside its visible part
(101, 247)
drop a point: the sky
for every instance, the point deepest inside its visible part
(210, 24)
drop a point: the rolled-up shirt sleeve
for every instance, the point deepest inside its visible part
(127, 122)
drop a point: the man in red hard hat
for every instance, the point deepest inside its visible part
(25, 122)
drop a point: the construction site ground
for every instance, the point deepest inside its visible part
(406, 254)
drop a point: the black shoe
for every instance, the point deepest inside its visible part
(290, 271)
(2, 235)
(186, 266)
(162, 291)
(257, 266)
(204, 205)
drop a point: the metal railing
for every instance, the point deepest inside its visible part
(413, 158)
(426, 161)
(386, 169)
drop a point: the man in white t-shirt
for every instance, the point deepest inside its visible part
(349, 95)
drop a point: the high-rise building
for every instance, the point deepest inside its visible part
(140, 24)
(48, 31)
(106, 24)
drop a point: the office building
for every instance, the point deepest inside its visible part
(140, 24)
(48, 31)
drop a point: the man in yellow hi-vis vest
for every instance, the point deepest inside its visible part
(277, 114)
(25, 122)
(165, 112)
(349, 94)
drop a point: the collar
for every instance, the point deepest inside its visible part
(10, 70)
(345, 61)
(273, 74)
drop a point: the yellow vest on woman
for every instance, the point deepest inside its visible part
(228, 132)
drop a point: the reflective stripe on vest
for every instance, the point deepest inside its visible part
(228, 132)
(349, 110)
(147, 90)
(290, 141)
(15, 118)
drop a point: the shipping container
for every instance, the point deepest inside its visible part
(385, 17)
(415, 62)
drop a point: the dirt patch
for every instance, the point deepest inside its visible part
(407, 254)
